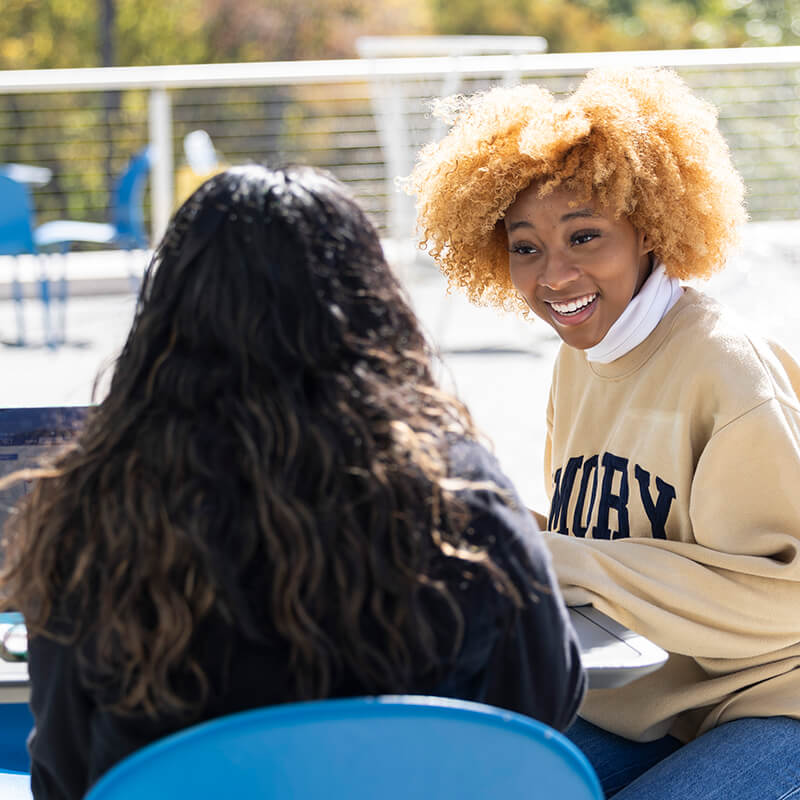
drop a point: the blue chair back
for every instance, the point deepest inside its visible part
(16, 218)
(16, 722)
(381, 748)
(127, 214)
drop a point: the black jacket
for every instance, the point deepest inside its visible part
(521, 658)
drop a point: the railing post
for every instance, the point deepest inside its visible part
(389, 108)
(160, 125)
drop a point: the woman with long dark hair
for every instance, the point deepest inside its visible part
(273, 502)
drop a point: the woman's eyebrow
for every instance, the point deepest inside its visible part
(579, 213)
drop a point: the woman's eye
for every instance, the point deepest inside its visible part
(584, 236)
(522, 248)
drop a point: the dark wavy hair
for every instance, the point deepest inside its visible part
(272, 451)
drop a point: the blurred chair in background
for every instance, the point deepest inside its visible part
(202, 161)
(16, 239)
(27, 173)
(125, 231)
(199, 151)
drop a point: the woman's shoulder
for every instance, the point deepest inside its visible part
(472, 459)
(699, 338)
(498, 518)
(477, 479)
(728, 348)
(703, 326)
(714, 326)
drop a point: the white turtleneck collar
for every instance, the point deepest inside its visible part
(657, 296)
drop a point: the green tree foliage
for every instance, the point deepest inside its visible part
(590, 25)
(36, 34)
(43, 34)
(87, 137)
(28, 34)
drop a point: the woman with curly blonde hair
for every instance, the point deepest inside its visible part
(274, 502)
(673, 433)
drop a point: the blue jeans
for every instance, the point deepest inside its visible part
(757, 758)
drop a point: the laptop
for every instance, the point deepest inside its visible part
(612, 654)
(26, 436)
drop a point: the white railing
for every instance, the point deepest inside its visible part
(364, 119)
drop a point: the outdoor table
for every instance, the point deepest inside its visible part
(15, 786)
(26, 173)
(612, 654)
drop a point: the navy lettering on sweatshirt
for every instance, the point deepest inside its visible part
(611, 483)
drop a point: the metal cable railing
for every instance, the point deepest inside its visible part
(363, 119)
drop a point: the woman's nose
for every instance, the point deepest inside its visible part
(559, 271)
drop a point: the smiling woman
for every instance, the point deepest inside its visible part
(672, 431)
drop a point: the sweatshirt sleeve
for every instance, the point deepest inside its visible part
(59, 743)
(734, 591)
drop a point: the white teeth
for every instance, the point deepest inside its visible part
(573, 305)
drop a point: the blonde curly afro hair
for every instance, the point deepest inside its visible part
(635, 140)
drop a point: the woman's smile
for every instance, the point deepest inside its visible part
(573, 312)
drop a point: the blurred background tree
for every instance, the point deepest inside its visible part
(37, 34)
(41, 34)
(588, 25)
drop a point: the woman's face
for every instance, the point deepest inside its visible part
(574, 264)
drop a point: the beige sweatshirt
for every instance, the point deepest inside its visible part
(675, 508)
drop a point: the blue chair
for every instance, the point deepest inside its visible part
(16, 218)
(392, 748)
(16, 239)
(16, 722)
(16, 719)
(125, 231)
